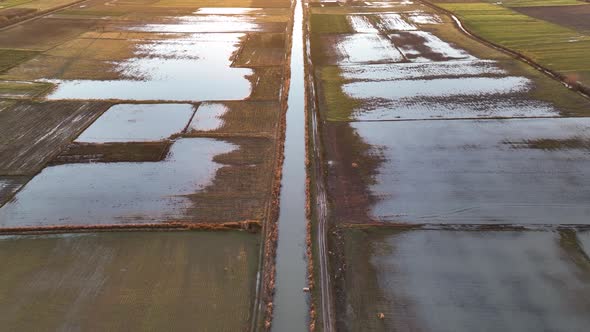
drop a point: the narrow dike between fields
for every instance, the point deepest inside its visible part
(290, 301)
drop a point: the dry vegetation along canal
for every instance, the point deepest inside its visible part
(154, 171)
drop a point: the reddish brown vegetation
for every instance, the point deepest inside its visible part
(248, 225)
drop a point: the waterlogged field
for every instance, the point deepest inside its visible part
(224, 65)
(464, 280)
(526, 171)
(424, 70)
(155, 51)
(128, 281)
(439, 152)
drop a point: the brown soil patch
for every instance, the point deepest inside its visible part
(113, 152)
(262, 49)
(350, 171)
(9, 14)
(266, 83)
(408, 40)
(578, 143)
(67, 68)
(575, 17)
(10, 58)
(43, 33)
(9, 185)
(258, 119)
(95, 46)
(31, 134)
(241, 187)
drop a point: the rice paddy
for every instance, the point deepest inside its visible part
(132, 115)
(455, 175)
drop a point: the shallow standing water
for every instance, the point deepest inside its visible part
(290, 312)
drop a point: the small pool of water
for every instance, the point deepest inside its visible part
(138, 123)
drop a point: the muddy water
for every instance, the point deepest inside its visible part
(290, 303)
(138, 123)
(463, 281)
(111, 193)
(488, 171)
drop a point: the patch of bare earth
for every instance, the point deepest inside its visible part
(575, 17)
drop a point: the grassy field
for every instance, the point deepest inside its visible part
(322, 23)
(182, 281)
(337, 104)
(558, 48)
(10, 58)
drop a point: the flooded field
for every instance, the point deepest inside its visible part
(423, 71)
(438, 153)
(570, 16)
(500, 171)
(129, 281)
(110, 193)
(138, 114)
(137, 122)
(454, 280)
(131, 53)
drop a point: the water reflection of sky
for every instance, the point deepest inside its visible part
(126, 192)
(177, 66)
